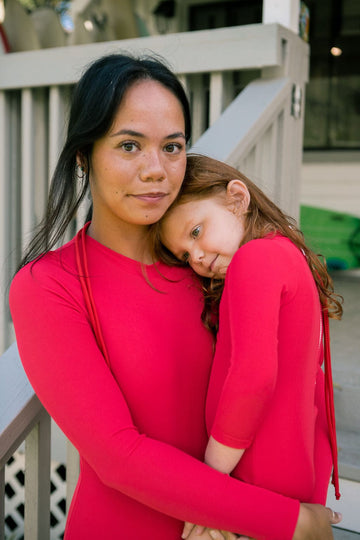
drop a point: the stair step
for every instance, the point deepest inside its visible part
(349, 454)
(342, 534)
(347, 399)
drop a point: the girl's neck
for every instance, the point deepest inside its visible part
(128, 240)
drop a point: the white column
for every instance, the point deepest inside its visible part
(37, 481)
(284, 12)
(27, 165)
(4, 219)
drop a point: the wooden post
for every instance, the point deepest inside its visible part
(2, 503)
(37, 481)
(72, 472)
(284, 12)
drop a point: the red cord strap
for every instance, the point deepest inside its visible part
(82, 265)
(329, 400)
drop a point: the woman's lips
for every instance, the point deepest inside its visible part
(151, 197)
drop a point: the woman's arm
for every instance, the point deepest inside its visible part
(71, 378)
(314, 523)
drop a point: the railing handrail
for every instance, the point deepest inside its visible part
(20, 409)
(242, 122)
(254, 46)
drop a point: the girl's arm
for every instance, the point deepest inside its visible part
(222, 458)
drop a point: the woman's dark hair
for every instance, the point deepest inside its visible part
(95, 101)
(206, 177)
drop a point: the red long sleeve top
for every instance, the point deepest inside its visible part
(139, 427)
(266, 391)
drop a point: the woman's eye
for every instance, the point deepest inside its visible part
(173, 148)
(195, 232)
(185, 257)
(129, 146)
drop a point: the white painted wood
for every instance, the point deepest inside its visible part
(19, 407)
(2, 503)
(221, 49)
(37, 481)
(72, 472)
(285, 12)
(57, 129)
(216, 96)
(23, 417)
(4, 217)
(27, 164)
(197, 104)
(245, 119)
(40, 100)
(221, 93)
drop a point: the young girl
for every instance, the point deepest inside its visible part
(265, 412)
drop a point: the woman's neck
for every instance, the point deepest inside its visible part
(128, 240)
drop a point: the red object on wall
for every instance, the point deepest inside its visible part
(4, 43)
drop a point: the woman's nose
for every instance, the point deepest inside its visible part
(152, 169)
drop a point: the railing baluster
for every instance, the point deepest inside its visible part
(4, 223)
(57, 128)
(221, 94)
(72, 472)
(197, 106)
(27, 163)
(2, 503)
(216, 96)
(37, 481)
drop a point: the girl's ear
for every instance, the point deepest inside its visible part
(238, 195)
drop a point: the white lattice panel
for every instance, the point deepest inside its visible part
(14, 498)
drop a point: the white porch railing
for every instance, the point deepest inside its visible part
(260, 132)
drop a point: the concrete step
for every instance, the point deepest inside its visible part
(349, 455)
(345, 352)
(342, 534)
(347, 399)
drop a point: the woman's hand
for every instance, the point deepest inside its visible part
(198, 532)
(314, 522)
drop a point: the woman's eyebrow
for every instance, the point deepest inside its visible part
(176, 135)
(132, 133)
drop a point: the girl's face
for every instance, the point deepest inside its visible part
(206, 233)
(137, 168)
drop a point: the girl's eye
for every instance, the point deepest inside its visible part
(185, 257)
(195, 232)
(129, 146)
(173, 148)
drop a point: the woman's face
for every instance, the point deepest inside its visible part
(137, 168)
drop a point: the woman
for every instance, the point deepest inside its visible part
(99, 331)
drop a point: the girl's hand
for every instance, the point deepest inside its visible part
(314, 522)
(191, 528)
(198, 532)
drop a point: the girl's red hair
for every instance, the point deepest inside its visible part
(206, 177)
